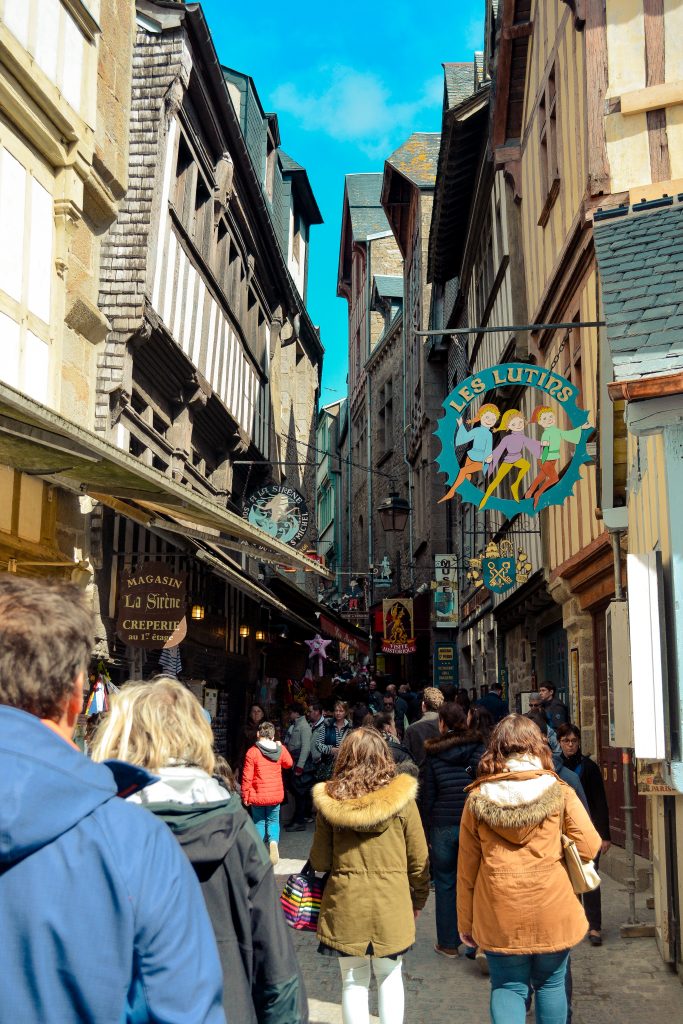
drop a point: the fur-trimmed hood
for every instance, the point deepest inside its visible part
(515, 803)
(452, 740)
(371, 812)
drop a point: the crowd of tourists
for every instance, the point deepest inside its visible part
(153, 838)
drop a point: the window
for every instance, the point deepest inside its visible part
(572, 368)
(203, 218)
(386, 417)
(547, 128)
(325, 509)
(183, 190)
(26, 270)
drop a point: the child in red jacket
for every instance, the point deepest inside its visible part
(262, 787)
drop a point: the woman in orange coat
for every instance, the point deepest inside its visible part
(262, 786)
(515, 899)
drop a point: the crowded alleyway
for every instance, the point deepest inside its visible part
(624, 981)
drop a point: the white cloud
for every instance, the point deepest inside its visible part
(356, 106)
(474, 34)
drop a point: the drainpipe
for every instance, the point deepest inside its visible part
(626, 760)
(405, 453)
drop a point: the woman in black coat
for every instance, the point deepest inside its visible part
(450, 766)
(569, 737)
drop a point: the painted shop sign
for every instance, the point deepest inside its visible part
(152, 606)
(445, 664)
(445, 588)
(280, 511)
(498, 568)
(500, 446)
(399, 626)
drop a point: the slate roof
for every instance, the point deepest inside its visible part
(389, 286)
(367, 216)
(458, 82)
(417, 158)
(640, 258)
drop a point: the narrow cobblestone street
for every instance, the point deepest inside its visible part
(622, 982)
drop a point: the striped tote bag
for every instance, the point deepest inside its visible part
(301, 898)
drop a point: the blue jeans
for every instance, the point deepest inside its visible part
(513, 976)
(444, 859)
(267, 822)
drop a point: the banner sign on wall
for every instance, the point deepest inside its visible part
(399, 627)
(152, 606)
(279, 511)
(503, 451)
(445, 664)
(499, 569)
(446, 611)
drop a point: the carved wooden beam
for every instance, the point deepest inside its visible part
(579, 9)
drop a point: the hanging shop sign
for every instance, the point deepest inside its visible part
(503, 453)
(382, 573)
(279, 511)
(498, 568)
(445, 590)
(445, 664)
(152, 606)
(399, 626)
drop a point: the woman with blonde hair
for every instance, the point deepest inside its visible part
(161, 726)
(515, 898)
(369, 837)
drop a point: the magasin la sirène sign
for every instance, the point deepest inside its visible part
(152, 606)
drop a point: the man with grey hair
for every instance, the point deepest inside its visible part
(75, 859)
(426, 728)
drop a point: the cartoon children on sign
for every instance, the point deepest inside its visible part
(510, 450)
(482, 445)
(551, 438)
(478, 478)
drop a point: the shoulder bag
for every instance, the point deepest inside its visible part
(582, 873)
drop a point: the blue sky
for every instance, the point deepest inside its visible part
(347, 92)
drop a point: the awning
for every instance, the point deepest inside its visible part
(333, 629)
(328, 621)
(239, 579)
(42, 443)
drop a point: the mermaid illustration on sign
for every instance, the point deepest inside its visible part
(276, 517)
(482, 445)
(478, 477)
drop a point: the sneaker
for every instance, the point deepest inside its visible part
(482, 962)
(450, 954)
(471, 952)
(274, 853)
(294, 827)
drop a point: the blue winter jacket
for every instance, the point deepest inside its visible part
(101, 917)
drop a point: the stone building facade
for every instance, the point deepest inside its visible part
(63, 175)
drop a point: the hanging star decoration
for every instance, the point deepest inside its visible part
(317, 652)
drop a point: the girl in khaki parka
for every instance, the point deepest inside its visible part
(515, 899)
(369, 838)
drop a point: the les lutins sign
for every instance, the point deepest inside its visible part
(152, 606)
(501, 444)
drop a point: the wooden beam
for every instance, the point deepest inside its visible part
(501, 93)
(596, 80)
(654, 97)
(660, 163)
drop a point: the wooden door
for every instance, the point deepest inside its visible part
(609, 758)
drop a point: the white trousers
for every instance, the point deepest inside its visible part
(355, 971)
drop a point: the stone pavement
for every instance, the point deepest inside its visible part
(622, 982)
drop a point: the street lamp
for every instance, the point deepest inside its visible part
(393, 513)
